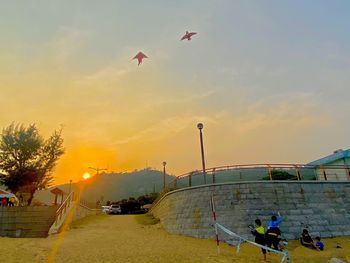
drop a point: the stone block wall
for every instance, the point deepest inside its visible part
(322, 207)
(26, 221)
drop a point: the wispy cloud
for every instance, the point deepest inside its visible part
(300, 110)
(165, 129)
(66, 43)
(106, 76)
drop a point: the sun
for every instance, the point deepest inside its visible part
(86, 176)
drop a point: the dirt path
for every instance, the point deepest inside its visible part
(121, 239)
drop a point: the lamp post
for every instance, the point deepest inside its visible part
(200, 128)
(70, 185)
(164, 164)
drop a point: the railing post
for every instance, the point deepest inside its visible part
(175, 183)
(324, 173)
(213, 175)
(297, 171)
(190, 179)
(347, 172)
(270, 172)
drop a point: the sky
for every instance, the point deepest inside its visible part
(269, 80)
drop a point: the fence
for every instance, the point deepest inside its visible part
(80, 207)
(256, 172)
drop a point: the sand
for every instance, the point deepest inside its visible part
(107, 238)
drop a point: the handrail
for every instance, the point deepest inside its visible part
(88, 208)
(65, 202)
(215, 173)
(63, 207)
(264, 165)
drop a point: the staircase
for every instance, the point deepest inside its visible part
(73, 208)
(62, 213)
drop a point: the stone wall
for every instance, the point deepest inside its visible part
(26, 221)
(322, 207)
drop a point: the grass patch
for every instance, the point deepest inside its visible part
(146, 219)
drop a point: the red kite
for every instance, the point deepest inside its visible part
(188, 35)
(140, 56)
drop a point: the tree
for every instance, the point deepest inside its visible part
(26, 159)
(278, 174)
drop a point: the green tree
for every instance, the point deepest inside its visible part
(278, 174)
(27, 159)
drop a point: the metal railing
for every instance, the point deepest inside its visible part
(63, 207)
(256, 172)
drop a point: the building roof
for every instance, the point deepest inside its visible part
(57, 191)
(4, 193)
(336, 155)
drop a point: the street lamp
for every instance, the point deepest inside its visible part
(200, 128)
(70, 185)
(164, 164)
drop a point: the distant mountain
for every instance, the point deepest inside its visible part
(112, 186)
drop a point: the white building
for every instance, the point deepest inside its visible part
(334, 167)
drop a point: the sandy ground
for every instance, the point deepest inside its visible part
(121, 239)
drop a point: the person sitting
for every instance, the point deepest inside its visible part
(306, 240)
(259, 233)
(319, 244)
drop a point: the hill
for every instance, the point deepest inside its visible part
(112, 186)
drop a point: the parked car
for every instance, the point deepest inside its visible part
(106, 209)
(115, 209)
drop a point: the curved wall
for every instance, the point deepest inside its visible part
(322, 207)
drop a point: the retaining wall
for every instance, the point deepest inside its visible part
(322, 207)
(26, 221)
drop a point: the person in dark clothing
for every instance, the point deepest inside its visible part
(259, 233)
(273, 232)
(306, 240)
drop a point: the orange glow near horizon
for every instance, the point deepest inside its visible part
(77, 158)
(86, 176)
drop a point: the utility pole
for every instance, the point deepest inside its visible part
(164, 173)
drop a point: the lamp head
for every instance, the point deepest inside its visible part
(200, 126)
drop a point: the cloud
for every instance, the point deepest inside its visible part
(66, 43)
(106, 76)
(300, 110)
(165, 129)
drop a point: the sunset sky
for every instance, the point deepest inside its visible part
(270, 80)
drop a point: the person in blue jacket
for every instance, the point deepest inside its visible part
(273, 232)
